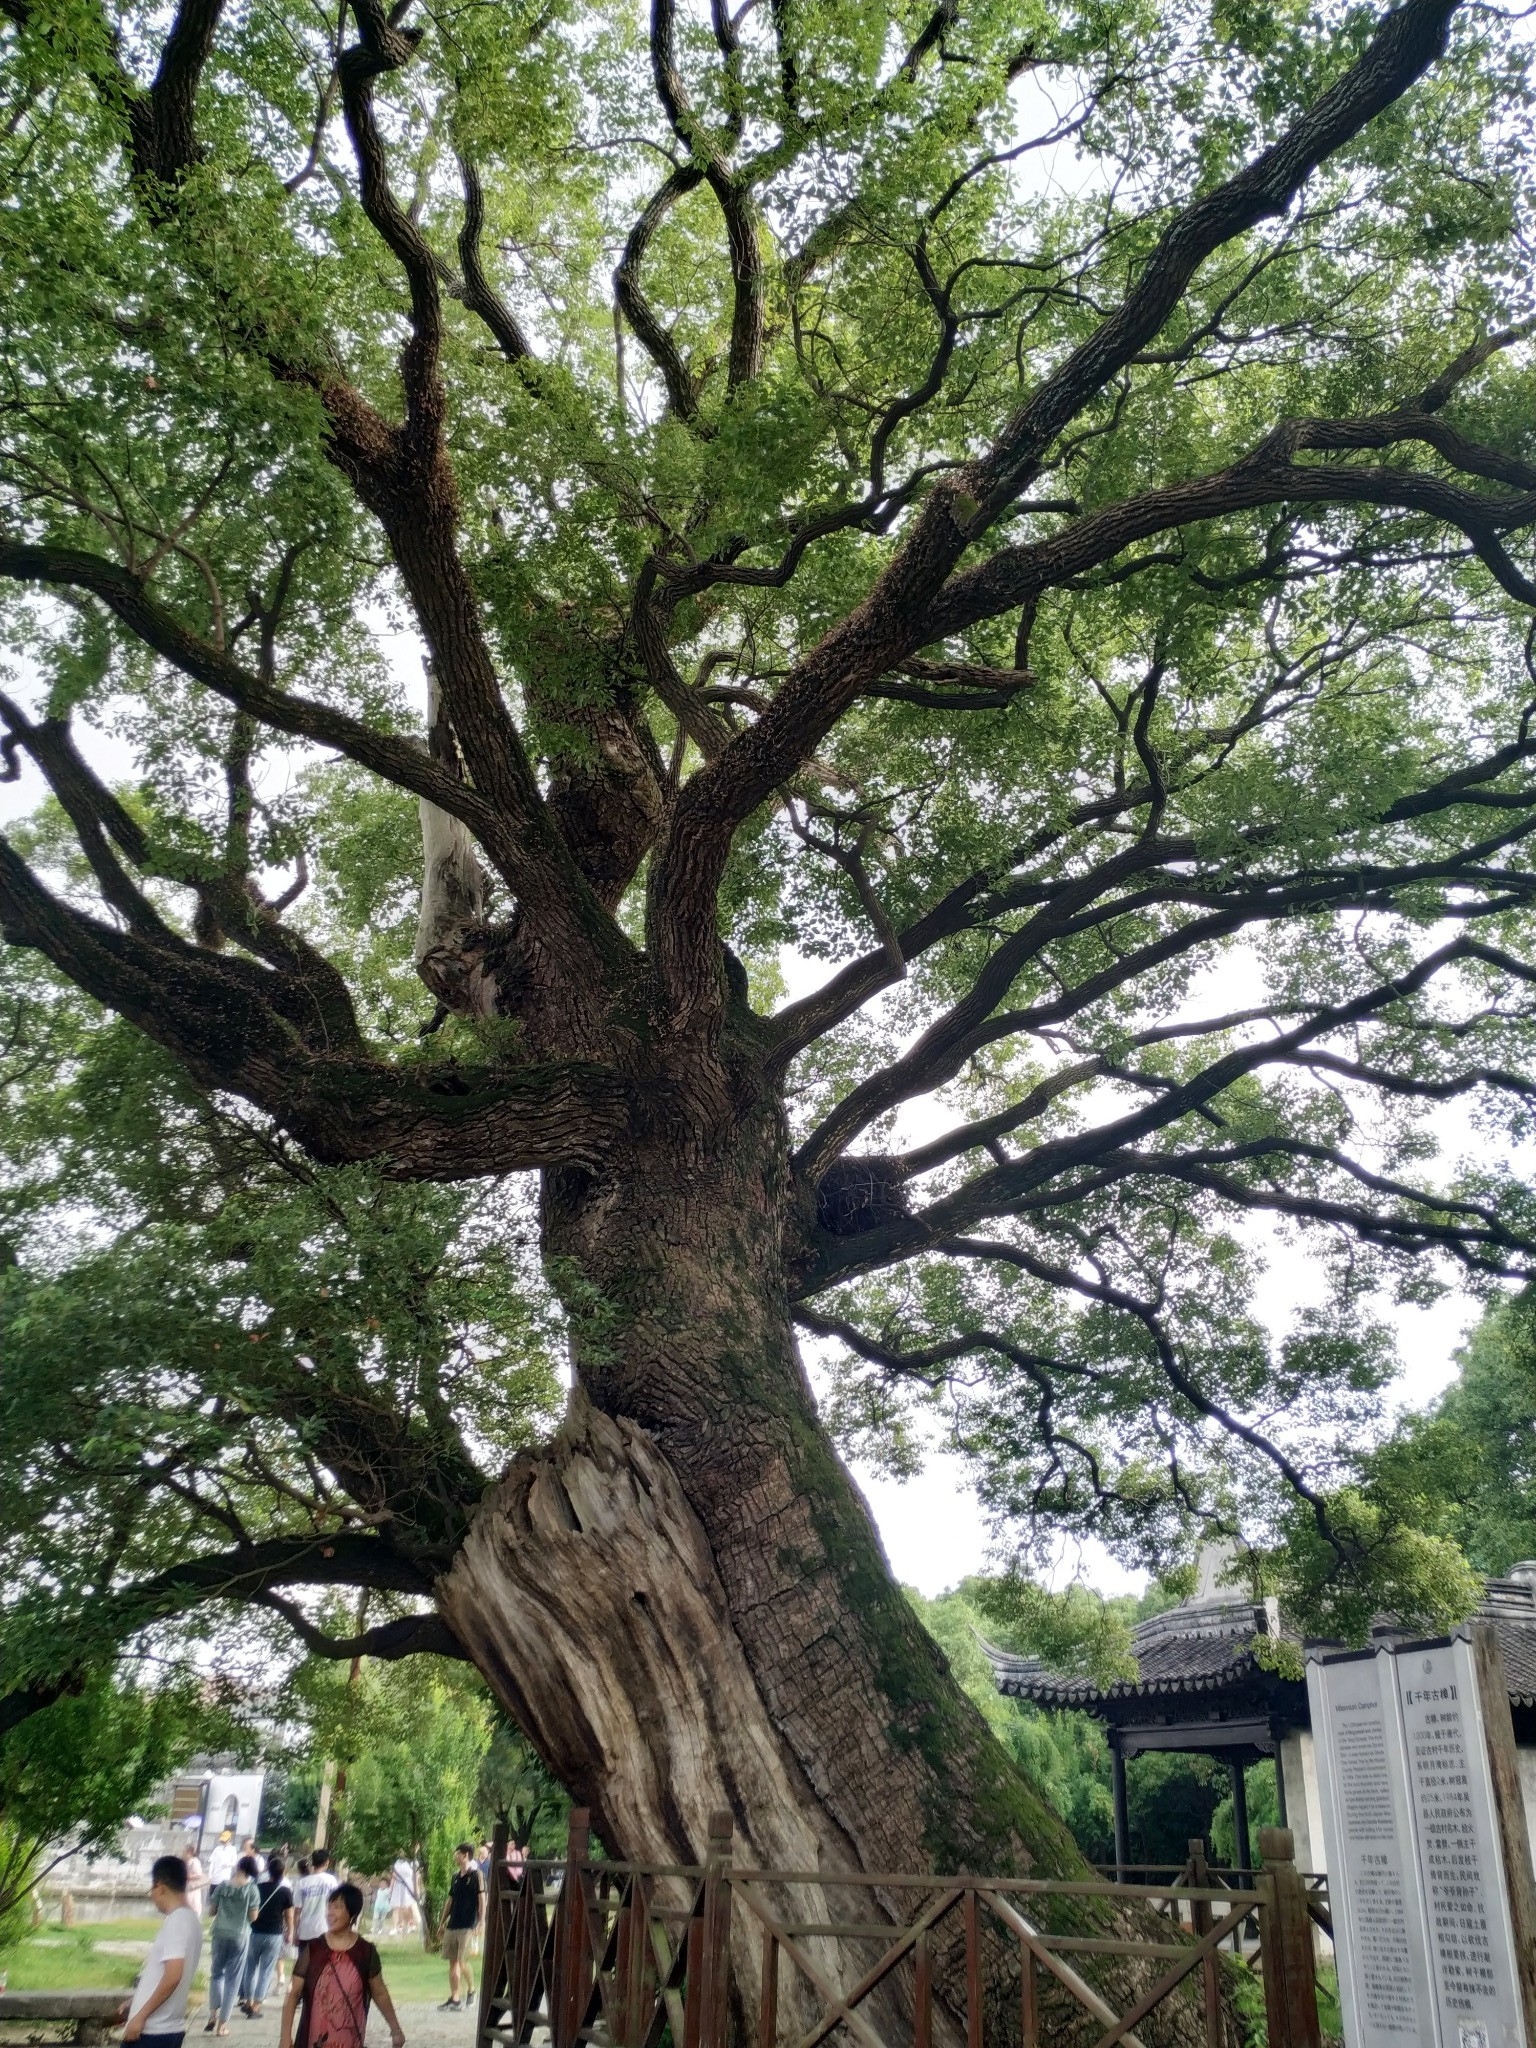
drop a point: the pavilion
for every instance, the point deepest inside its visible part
(1202, 1689)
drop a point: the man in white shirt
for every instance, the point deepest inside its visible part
(310, 1894)
(221, 1859)
(157, 2011)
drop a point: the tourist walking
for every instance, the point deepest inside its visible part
(222, 1858)
(310, 1895)
(460, 1924)
(403, 1892)
(334, 1980)
(288, 1953)
(273, 1926)
(197, 1883)
(234, 1906)
(157, 2011)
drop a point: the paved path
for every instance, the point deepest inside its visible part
(425, 2027)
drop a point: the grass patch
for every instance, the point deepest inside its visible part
(70, 1959)
(67, 1959)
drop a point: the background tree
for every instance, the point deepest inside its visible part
(515, 1787)
(1083, 609)
(413, 1738)
(73, 1773)
(1447, 1495)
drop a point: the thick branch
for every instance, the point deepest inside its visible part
(477, 293)
(258, 1033)
(397, 760)
(886, 628)
(637, 309)
(1014, 575)
(1032, 1178)
(244, 1573)
(161, 120)
(411, 1635)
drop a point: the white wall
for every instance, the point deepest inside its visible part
(1526, 1758)
(1303, 1803)
(234, 1802)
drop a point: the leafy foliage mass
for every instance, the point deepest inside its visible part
(1012, 514)
(73, 1773)
(1446, 1495)
(210, 1338)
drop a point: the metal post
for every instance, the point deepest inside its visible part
(1122, 1808)
(1285, 1931)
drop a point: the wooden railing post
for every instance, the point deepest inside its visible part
(1200, 1919)
(973, 1990)
(693, 1983)
(714, 1991)
(571, 1940)
(922, 2017)
(768, 2008)
(1029, 1998)
(1285, 1933)
(492, 1961)
(637, 1981)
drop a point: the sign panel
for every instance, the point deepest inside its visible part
(1460, 1858)
(1373, 1889)
(1421, 1910)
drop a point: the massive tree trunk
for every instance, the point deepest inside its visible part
(684, 1599)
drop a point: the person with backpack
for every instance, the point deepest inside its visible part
(234, 1905)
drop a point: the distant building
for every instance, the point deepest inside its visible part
(210, 1795)
(1201, 1689)
(191, 1811)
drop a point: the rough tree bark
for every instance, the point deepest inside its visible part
(684, 1599)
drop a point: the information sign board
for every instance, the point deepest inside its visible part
(1460, 1857)
(1373, 1891)
(1422, 1919)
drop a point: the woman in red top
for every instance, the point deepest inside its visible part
(337, 1977)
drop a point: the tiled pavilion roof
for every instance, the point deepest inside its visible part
(1206, 1648)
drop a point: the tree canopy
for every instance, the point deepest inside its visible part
(209, 1341)
(73, 1773)
(948, 590)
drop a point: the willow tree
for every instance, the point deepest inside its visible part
(1014, 510)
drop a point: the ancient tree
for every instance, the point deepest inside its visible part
(1016, 511)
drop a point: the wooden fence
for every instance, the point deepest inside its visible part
(632, 1955)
